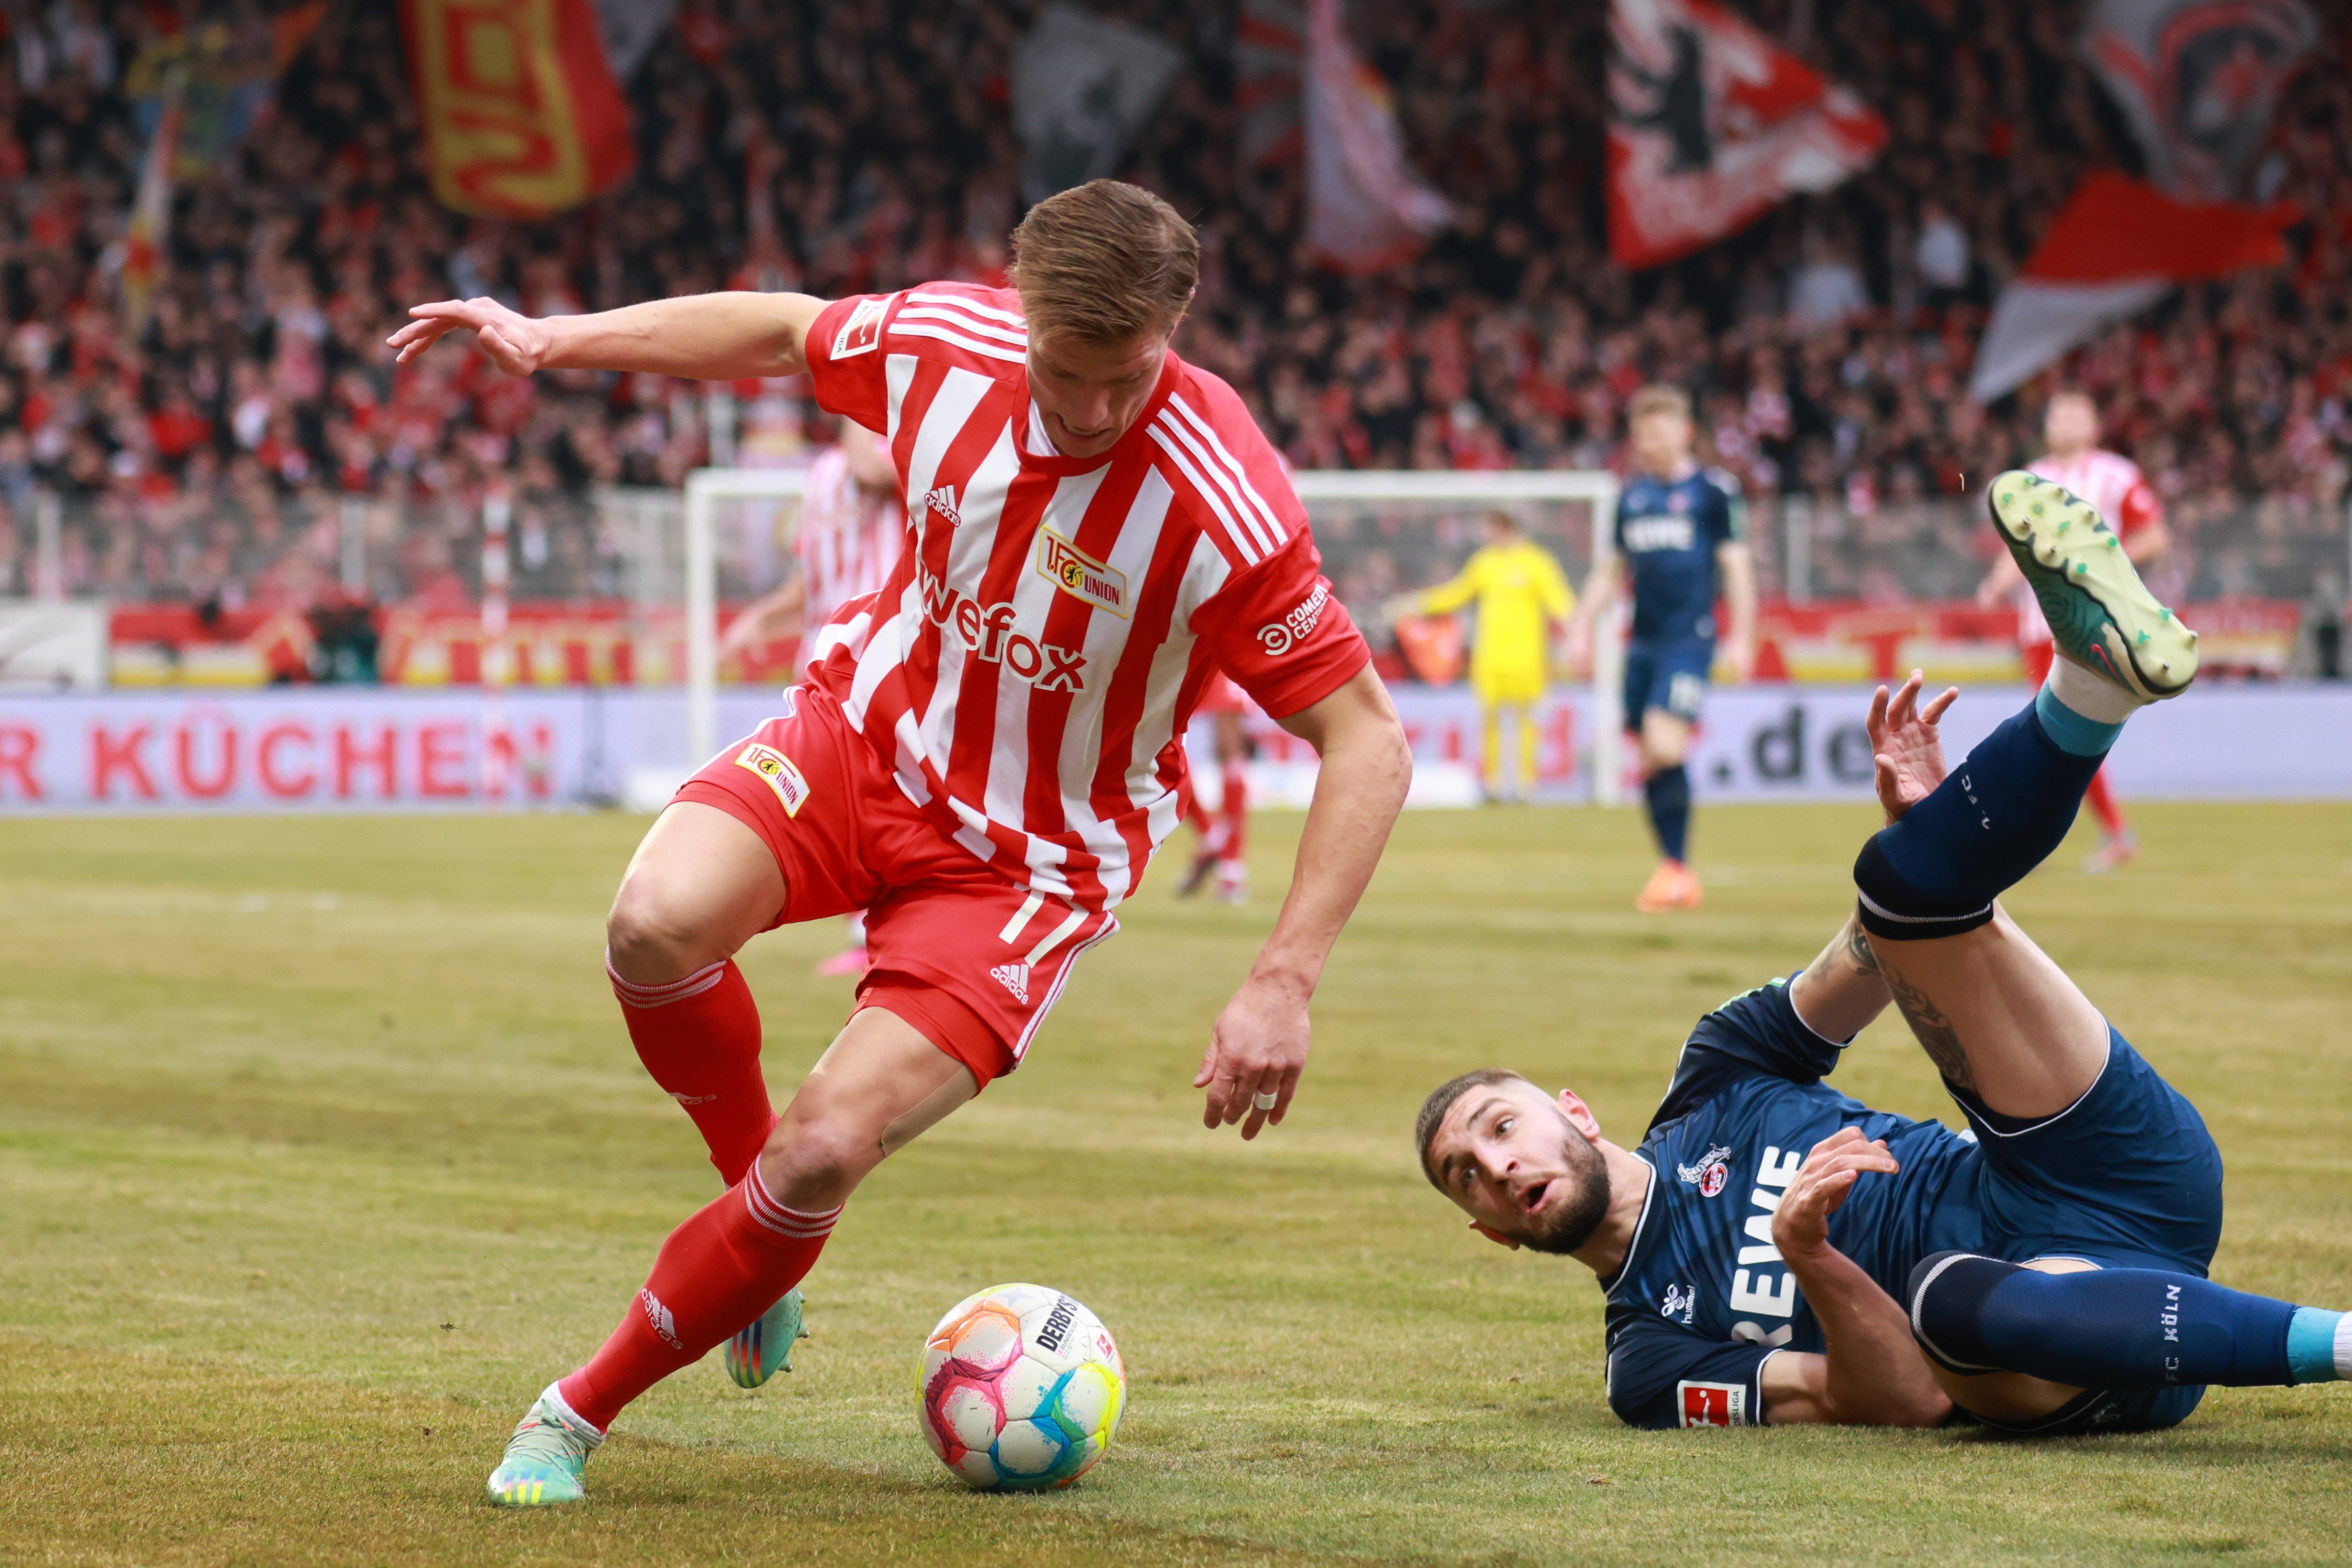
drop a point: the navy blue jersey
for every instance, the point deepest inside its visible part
(1703, 1299)
(1668, 534)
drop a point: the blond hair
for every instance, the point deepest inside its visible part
(1659, 397)
(1105, 263)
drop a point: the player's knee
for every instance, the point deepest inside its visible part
(1665, 742)
(813, 1161)
(1897, 910)
(655, 933)
(1946, 1300)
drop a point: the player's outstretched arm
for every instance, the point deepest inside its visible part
(781, 613)
(1872, 1373)
(1843, 990)
(1738, 565)
(1258, 1044)
(1601, 586)
(702, 336)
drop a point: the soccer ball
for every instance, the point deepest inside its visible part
(1019, 1387)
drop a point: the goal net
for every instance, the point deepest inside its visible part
(1381, 534)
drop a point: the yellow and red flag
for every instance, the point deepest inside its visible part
(523, 116)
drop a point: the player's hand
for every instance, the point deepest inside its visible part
(1801, 1226)
(1906, 749)
(1576, 652)
(515, 343)
(1257, 1046)
(1739, 662)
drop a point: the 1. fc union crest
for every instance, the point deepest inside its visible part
(1710, 1175)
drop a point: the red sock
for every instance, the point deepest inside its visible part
(699, 1038)
(725, 1266)
(1236, 812)
(2104, 807)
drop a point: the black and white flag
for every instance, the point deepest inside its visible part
(1082, 87)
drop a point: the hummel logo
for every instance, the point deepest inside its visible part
(943, 501)
(1013, 978)
(659, 1316)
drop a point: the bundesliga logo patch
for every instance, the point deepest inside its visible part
(862, 331)
(1712, 1404)
(1080, 575)
(776, 769)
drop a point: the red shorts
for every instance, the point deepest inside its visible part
(2036, 658)
(967, 957)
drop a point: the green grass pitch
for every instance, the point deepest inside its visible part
(322, 1149)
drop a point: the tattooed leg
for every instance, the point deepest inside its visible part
(1934, 1034)
(2000, 1021)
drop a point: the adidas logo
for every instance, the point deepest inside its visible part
(659, 1316)
(1013, 978)
(943, 501)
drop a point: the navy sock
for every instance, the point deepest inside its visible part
(2108, 1328)
(1993, 819)
(1666, 795)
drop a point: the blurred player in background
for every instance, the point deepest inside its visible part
(1520, 594)
(852, 526)
(1221, 836)
(1680, 537)
(2112, 484)
(984, 755)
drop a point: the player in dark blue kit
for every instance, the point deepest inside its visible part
(1777, 1252)
(1679, 536)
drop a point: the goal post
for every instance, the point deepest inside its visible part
(1375, 528)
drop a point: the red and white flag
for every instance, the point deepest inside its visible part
(1366, 209)
(1267, 48)
(2199, 79)
(148, 237)
(1711, 125)
(2115, 248)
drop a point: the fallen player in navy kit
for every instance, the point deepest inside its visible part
(1777, 1252)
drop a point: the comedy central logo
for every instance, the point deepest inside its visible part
(1080, 575)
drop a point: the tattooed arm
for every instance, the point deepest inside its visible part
(1841, 990)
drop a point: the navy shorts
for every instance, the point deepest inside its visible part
(2126, 1177)
(1671, 675)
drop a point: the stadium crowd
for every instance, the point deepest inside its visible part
(863, 145)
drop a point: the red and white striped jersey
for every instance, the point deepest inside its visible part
(1027, 671)
(849, 538)
(2109, 481)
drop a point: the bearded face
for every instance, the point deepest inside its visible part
(1509, 1158)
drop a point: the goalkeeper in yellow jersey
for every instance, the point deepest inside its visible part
(1520, 593)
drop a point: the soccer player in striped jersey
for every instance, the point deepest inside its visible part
(985, 753)
(2113, 485)
(850, 530)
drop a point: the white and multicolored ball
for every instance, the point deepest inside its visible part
(1021, 1388)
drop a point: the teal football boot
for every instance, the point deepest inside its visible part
(2100, 615)
(763, 1347)
(544, 1457)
